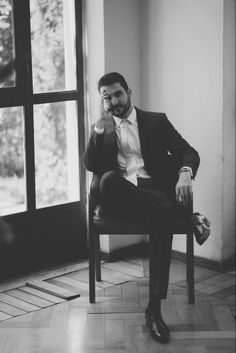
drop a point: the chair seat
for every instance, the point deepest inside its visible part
(118, 225)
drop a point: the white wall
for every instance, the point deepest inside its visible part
(122, 42)
(228, 229)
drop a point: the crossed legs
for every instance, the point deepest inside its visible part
(152, 201)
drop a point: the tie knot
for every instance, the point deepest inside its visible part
(124, 123)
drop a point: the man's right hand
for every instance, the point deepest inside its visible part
(105, 116)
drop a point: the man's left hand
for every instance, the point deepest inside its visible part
(184, 189)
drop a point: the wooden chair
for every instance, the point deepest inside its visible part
(98, 224)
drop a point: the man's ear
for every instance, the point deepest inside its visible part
(129, 92)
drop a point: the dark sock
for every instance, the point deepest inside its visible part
(154, 304)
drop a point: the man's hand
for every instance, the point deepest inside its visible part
(184, 189)
(104, 114)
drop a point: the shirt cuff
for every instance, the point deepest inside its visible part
(98, 131)
(183, 169)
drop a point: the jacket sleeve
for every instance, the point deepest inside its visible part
(92, 157)
(185, 154)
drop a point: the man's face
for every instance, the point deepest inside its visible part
(116, 100)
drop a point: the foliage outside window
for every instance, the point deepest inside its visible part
(7, 52)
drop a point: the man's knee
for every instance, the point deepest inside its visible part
(161, 212)
(108, 181)
(161, 219)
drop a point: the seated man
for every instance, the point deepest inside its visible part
(129, 149)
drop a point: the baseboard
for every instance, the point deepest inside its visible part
(135, 250)
(142, 249)
(203, 262)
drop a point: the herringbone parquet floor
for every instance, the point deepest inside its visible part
(39, 323)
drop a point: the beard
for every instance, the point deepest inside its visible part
(120, 110)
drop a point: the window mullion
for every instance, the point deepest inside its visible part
(28, 110)
(19, 35)
(80, 86)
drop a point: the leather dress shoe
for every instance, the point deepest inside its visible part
(158, 329)
(201, 227)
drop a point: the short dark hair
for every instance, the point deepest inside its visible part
(112, 77)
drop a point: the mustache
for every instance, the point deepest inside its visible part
(116, 106)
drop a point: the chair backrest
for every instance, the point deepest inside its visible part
(94, 198)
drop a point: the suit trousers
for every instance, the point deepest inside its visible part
(155, 202)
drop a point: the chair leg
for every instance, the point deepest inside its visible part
(190, 267)
(97, 258)
(91, 246)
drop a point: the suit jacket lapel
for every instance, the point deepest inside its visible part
(143, 133)
(110, 144)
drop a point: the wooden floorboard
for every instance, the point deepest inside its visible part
(33, 321)
(29, 298)
(38, 293)
(17, 303)
(11, 310)
(53, 289)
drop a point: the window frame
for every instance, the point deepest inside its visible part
(22, 94)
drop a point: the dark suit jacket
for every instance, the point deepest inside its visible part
(158, 139)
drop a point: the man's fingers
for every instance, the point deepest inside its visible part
(190, 194)
(104, 113)
(177, 195)
(180, 197)
(183, 195)
(103, 96)
(183, 189)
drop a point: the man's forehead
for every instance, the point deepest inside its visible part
(111, 88)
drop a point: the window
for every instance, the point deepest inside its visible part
(53, 45)
(56, 153)
(7, 48)
(12, 161)
(41, 106)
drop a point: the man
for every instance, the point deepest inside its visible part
(145, 169)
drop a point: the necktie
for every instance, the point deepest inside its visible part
(124, 142)
(128, 162)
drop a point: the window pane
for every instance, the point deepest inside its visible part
(7, 73)
(12, 161)
(56, 153)
(53, 45)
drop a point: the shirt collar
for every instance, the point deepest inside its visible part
(132, 118)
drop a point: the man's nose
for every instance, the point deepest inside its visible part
(114, 100)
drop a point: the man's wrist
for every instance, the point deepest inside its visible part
(186, 169)
(99, 130)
